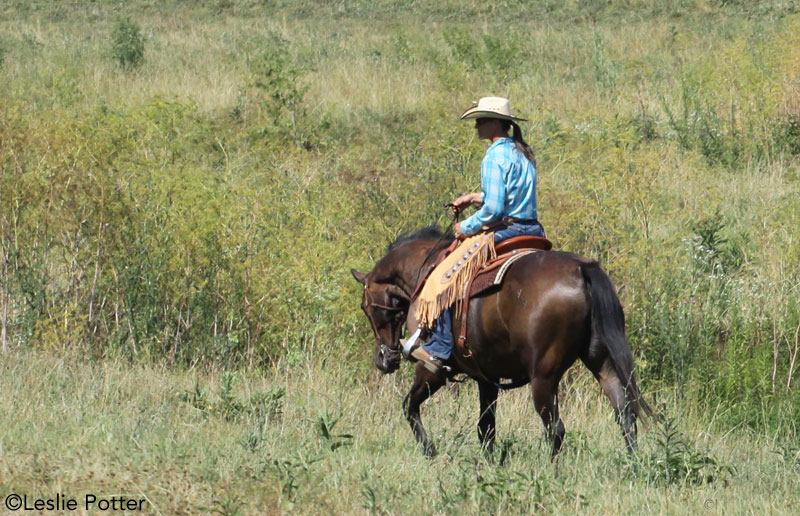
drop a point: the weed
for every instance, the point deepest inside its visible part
(503, 54)
(646, 126)
(714, 252)
(228, 506)
(789, 454)
(277, 79)
(462, 45)
(699, 125)
(496, 489)
(268, 405)
(263, 408)
(196, 398)
(375, 499)
(604, 68)
(677, 461)
(291, 471)
(787, 130)
(324, 425)
(228, 406)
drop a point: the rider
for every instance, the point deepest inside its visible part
(507, 202)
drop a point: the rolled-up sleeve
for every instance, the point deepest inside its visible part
(493, 194)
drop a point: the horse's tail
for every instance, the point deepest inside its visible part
(608, 327)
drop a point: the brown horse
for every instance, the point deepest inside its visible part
(551, 309)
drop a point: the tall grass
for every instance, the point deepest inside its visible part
(280, 442)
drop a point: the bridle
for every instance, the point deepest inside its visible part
(370, 303)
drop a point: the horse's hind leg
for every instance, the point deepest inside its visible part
(486, 421)
(546, 402)
(607, 377)
(425, 384)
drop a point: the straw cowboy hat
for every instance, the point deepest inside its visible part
(491, 107)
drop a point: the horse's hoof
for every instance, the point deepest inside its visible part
(430, 452)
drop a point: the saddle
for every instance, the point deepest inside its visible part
(491, 274)
(486, 276)
(503, 251)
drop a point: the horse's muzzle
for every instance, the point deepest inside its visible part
(387, 360)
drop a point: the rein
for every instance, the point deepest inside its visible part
(456, 213)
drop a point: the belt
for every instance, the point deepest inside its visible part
(507, 221)
(512, 220)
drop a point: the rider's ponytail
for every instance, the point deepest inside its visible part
(522, 146)
(519, 141)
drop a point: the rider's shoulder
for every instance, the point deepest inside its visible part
(495, 160)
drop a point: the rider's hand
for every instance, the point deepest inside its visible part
(457, 230)
(465, 200)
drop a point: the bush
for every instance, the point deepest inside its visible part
(127, 44)
(787, 131)
(276, 79)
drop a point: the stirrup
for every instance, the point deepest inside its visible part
(418, 354)
(411, 344)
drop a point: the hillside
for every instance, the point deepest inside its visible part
(184, 187)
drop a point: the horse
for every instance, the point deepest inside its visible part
(551, 309)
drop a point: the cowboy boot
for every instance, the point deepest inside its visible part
(413, 351)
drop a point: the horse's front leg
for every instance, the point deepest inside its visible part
(425, 384)
(486, 421)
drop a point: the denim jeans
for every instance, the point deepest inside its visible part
(517, 229)
(440, 343)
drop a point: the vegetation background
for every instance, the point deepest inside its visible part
(184, 187)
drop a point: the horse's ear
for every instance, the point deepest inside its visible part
(359, 276)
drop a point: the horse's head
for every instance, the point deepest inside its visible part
(388, 288)
(386, 307)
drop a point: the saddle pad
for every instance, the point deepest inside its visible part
(494, 276)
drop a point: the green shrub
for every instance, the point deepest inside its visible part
(787, 133)
(127, 44)
(276, 78)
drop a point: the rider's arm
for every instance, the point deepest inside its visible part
(493, 197)
(465, 200)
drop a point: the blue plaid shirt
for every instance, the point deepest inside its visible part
(508, 181)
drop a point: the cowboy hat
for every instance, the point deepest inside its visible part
(491, 107)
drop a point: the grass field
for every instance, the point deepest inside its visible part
(184, 187)
(188, 442)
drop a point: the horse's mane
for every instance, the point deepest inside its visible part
(431, 232)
